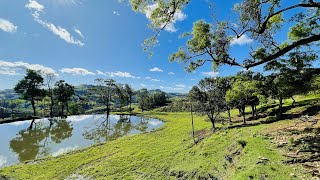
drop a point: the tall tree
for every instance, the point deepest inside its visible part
(49, 81)
(63, 92)
(30, 87)
(209, 98)
(130, 93)
(260, 20)
(105, 90)
(144, 99)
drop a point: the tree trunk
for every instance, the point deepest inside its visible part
(62, 110)
(193, 133)
(253, 111)
(51, 105)
(243, 109)
(280, 106)
(213, 125)
(294, 101)
(33, 107)
(31, 125)
(229, 115)
(130, 103)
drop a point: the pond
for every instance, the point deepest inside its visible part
(20, 141)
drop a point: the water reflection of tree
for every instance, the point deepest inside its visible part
(106, 131)
(33, 142)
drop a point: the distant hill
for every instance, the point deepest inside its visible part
(80, 90)
(9, 94)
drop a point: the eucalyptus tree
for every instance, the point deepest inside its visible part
(261, 20)
(30, 87)
(209, 99)
(49, 82)
(63, 92)
(105, 90)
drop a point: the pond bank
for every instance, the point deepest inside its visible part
(168, 153)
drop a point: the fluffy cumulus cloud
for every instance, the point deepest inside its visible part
(7, 26)
(243, 40)
(116, 74)
(76, 71)
(178, 16)
(19, 67)
(211, 74)
(37, 9)
(120, 74)
(155, 69)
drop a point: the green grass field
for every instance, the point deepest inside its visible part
(169, 153)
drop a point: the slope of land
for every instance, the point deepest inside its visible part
(267, 148)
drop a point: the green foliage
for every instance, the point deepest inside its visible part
(208, 98)
(63, 93)
(30, 87)
(262, 21)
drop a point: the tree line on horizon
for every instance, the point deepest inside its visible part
(61, 99)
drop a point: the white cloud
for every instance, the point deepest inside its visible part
(156, 80)
(101, 73)
(76, 71)
(13, 68)
(143, 85)
(180, 86)
(116, 13)
(175, 89)
(120, 74)
(79, 32)
(37, 9)
(148, 78)
(7, 26)
(34, 5)
(155, 69)
(171, 73)
(211, 74)
(244, 39)
(178, 16)
(3, 161)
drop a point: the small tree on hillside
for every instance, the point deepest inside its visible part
(241, 94)
(209, 99)
(30, 88)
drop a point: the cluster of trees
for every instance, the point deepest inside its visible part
(32, 89)
(212, 96)
(149, 100)
(110, 94)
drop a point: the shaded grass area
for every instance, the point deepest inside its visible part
(169, 153)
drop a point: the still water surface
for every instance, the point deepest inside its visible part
(20, 143)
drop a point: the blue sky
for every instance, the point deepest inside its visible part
(81, 40)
